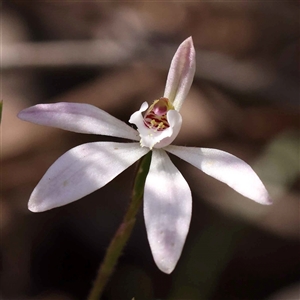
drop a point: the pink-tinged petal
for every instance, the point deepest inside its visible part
(81, 171)
(152, 138)
(137, 118)
(181, 73)
(78, 117)
(226, 168)
(168, 135)
(167, 211)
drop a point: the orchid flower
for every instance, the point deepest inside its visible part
(167, 196)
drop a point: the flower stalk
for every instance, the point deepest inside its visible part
(1, 105)
(123, 233)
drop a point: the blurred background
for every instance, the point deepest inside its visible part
(115, 55)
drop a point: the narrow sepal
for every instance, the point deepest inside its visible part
(78, 117)
(181, 73)
(227, 168)
(81, 171)
(167, 211)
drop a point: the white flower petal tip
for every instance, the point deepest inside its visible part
(227, 168)
(137, 118)
(167, 211)
(33, 207)
(81, 171)
(78, 117)
(181, 73)
(267, 201)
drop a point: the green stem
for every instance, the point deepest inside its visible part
(1, 106)
(122, 235)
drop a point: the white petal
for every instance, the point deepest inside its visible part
(181, 73)
(82, 170)
(78, 117)
(167, 210)
(156, 139)
(137, 117)
(226, 168)
(168, 135)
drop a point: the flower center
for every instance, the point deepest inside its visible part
(156, 115)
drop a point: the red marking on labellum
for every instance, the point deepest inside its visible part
(156, 116)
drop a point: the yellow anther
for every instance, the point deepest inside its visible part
(153, 123)
(161, 125)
